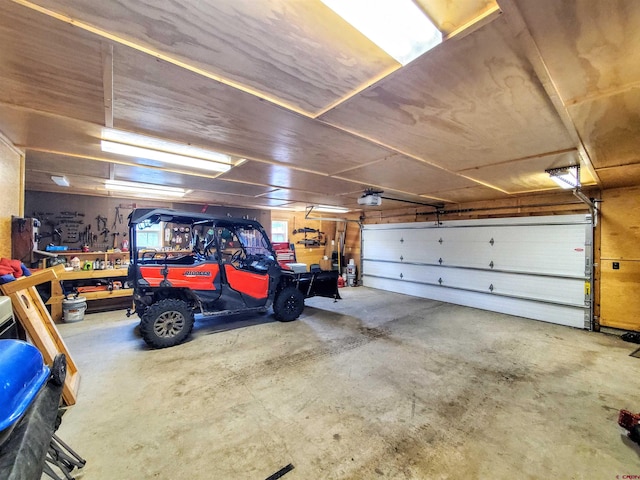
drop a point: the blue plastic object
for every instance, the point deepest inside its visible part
(22, 376)
(56, 248)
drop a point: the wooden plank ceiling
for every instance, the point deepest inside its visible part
(318, 112)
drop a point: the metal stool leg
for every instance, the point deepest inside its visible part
(63, 457)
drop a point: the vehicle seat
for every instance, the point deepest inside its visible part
(315, 267)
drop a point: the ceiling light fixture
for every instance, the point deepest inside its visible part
(145, 189)
(566, 177)
(60, 180)
(399, 28)
(150, 148)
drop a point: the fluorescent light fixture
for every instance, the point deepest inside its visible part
(142, 146)
(145, 189)
(60, 181)
(565, 177)
(329, 209)
(398, 27)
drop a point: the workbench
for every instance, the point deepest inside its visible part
(55, 301)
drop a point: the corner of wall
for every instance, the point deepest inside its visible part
(12, 172)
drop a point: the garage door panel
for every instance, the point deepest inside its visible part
(539, 260)
(502, 248)
(562, 315)
(569, 291)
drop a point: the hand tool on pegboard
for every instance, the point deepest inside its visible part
(101, 223)
(117, 219)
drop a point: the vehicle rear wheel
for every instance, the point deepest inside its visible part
(166, 323)
(289, 304)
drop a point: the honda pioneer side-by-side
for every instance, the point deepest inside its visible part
(229, 267)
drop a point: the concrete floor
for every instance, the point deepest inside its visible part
(378, 385)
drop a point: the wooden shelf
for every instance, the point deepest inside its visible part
(79, 253)
(55, 301)
(88, 274)
(84, 256)
(122, 292)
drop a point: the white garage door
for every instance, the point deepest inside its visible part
(533, 267)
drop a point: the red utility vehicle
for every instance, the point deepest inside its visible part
(229, 268)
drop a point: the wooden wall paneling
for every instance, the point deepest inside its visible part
(352, 248)
(619, 299)
(466, 103)
(12, 174)
(189, 108)
(37, 322)
(54, 67)
(619, 238)
(620, 224)
(562, 202)
(296, 221)
(297, 53)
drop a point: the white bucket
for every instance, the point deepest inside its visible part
(73, 309)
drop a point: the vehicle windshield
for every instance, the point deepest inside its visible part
(253, 241)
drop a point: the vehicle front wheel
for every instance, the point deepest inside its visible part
(289, 304)
(166, 323)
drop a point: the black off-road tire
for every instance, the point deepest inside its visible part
(166, 323)
(289, 304)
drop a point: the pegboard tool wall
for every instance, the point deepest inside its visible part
(66, 211)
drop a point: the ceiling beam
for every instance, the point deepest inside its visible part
(523, 35)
